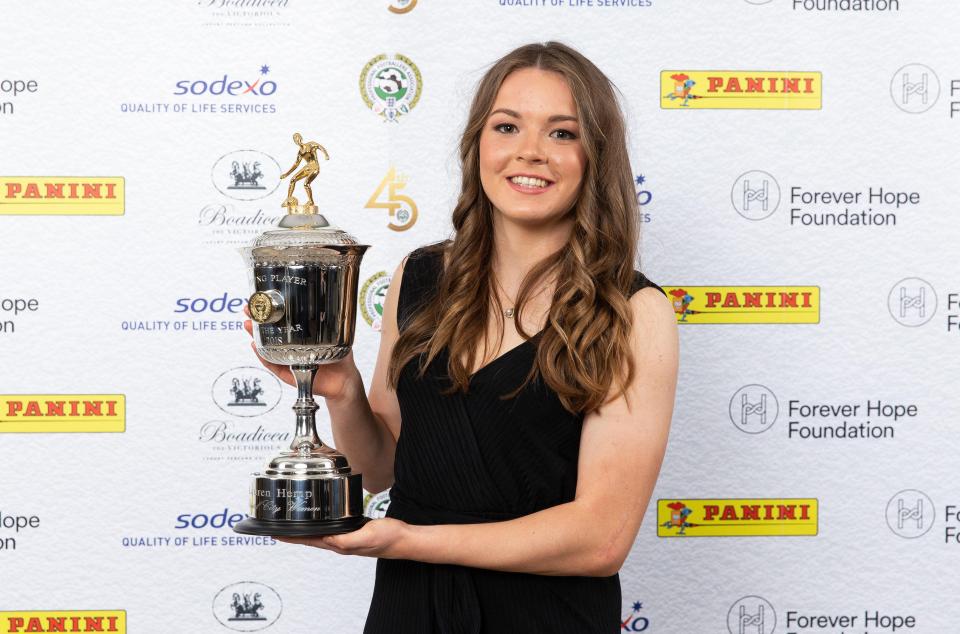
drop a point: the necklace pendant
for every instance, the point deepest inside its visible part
(508, 313)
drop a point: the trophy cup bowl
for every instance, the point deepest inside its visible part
(305, 277)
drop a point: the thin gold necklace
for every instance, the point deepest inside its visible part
(507, 312)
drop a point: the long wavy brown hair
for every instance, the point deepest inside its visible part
(583, 349)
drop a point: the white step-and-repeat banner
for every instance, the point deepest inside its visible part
(796, 167)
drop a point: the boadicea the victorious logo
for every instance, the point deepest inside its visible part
(56, 413)
(390, 86)
(246, 175)
(736, 517)
(247, 606)
(745, 304)
(741, 89)
(246, 391)
(114, 621)
(61, 195)
(401, 6)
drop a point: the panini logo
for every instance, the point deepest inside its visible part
(744, 517)
(741, 90)
(45, 413)
(61, 195)
(745, 304)
(64, 621)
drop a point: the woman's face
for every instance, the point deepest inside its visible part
(531, 158)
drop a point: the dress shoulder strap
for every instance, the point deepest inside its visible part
(640, 281)
(420, 282)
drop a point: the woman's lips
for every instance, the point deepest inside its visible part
(528, 189)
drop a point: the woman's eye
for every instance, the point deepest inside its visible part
(565, 135)
(506, 128)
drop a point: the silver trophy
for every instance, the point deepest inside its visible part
(305, 275)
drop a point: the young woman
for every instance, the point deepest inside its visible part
(523, 391)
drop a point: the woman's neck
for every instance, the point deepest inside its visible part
(517, 248)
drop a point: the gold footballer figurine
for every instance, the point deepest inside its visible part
(308, 155)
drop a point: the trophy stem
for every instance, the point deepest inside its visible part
(305, 439)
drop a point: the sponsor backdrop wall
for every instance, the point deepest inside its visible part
(795, 166)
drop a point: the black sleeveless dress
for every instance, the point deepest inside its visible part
(471, 458)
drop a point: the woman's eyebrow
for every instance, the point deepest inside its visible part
(553, 119)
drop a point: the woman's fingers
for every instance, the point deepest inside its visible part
(282, 371)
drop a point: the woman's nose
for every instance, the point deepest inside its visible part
(530, 150)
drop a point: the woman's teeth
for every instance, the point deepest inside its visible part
(528, 181)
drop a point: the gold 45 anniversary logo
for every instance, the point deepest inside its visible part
(401, 207)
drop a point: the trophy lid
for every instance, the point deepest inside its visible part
(303, 231)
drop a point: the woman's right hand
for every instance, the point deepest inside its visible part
(333, 380)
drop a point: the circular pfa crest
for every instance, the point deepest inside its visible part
(390, 86)
(246, 391)
(910, 513)
(246, 175)
(375, 504)
(755, 195)
(751, 614)
(912, 302)
(754, 409)
(247, 606)
(373, 294)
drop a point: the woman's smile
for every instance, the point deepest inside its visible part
(528, 184)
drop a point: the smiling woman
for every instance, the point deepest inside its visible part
(511, 508)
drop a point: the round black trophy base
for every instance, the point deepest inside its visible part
(300, 528)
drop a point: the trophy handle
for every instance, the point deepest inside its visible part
(305, 439)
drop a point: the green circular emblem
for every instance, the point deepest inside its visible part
(373, 294)
(375, 504)
(390, 86)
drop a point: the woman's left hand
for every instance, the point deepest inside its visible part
(384, 538)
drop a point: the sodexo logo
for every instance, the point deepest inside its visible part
(223, 519)
(226, 85)
(216, 304)
(754, 409)
(912, 302)
(246, 175)
(751, 615)
(226, 93)
(915, 88)
(910, 513)
(194, 314)
(644, 196)
(755, 195)
(247, 606)
(634, 621)
(246, 391)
